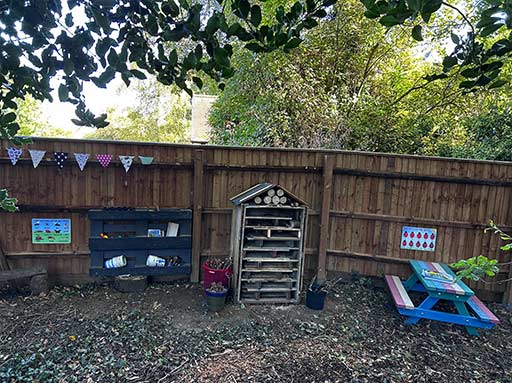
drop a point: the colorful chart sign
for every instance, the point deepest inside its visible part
(50, 231)
(418, 238)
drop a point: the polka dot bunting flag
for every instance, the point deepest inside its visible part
(60, 158)
(14, 154)
(127, 162)
(81, 159)
(37, 156)
(104, 159)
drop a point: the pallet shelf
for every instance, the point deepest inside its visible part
(127, 231)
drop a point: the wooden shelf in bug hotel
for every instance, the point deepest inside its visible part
(268, 245)
(137, 234)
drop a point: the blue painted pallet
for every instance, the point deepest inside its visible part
(127, 231)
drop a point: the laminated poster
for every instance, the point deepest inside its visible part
(50, 231)
(418, 238)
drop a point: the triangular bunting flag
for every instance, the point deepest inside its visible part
(81, 159)
(37, 156)
(60, 158)
(104, 159)
(126, 161)
(14, 154)
(146, 160)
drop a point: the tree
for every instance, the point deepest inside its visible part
(352, 84)
(33, 123)
(45, 39)
(480, 35)
(95, 40)
(161, 114)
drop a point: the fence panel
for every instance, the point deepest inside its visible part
(371, 197)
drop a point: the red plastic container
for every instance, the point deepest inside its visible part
(216, 275)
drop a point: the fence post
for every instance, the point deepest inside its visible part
(507, 295)
(197, 202)
(324, 216)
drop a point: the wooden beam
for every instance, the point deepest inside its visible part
(198, 200)
(421, 177)
(4, 265)
(507, 294)
(367, 257)
(324, 216)
(412, 220)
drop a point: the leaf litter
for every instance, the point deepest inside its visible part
(92, 333)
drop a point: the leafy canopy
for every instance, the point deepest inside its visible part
(94, 40)
(478, 61)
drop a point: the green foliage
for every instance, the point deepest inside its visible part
(482, 38)
(7, 203)
(44, 39)
(489, 136)
(476, 268)
(161, 114)
(353, 85)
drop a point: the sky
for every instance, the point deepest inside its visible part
(98, 100)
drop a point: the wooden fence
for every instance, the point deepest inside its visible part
(358, 202)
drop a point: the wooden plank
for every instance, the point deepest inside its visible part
(398, 292)
(324, 216)
(198, 198)
(4, 265)
(481, 310)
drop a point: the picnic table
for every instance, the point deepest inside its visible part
(471, 312)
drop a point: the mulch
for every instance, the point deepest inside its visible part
(95, 334)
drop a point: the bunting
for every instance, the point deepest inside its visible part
(60, 158)
(104, 159)
(146, 160)
(37, 156)
(127, 162)
(81, 159)
(14, 154)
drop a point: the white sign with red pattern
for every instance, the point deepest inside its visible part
(418, 238)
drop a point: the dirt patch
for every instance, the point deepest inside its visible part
(95, 334)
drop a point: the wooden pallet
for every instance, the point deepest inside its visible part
(270, 257)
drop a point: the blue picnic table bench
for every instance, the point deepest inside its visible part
(471, 311)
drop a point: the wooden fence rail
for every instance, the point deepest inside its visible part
(358, 202)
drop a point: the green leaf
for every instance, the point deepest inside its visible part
(245, 7)
(138, 74)
(221, 56)
(467, 84)
(173, 58)
(198, 82)
(112, 58)
(498, 84)
(431, 6)
(449, 62)
(482, 80)
(8, 118)
(213, 24)
(294, 42)
(490, 29)
(310, 23)
(389, 21)
(256, 15)
(414, 5)
(470, 73)
(416, 33)
(63, 93)
(254, 47)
